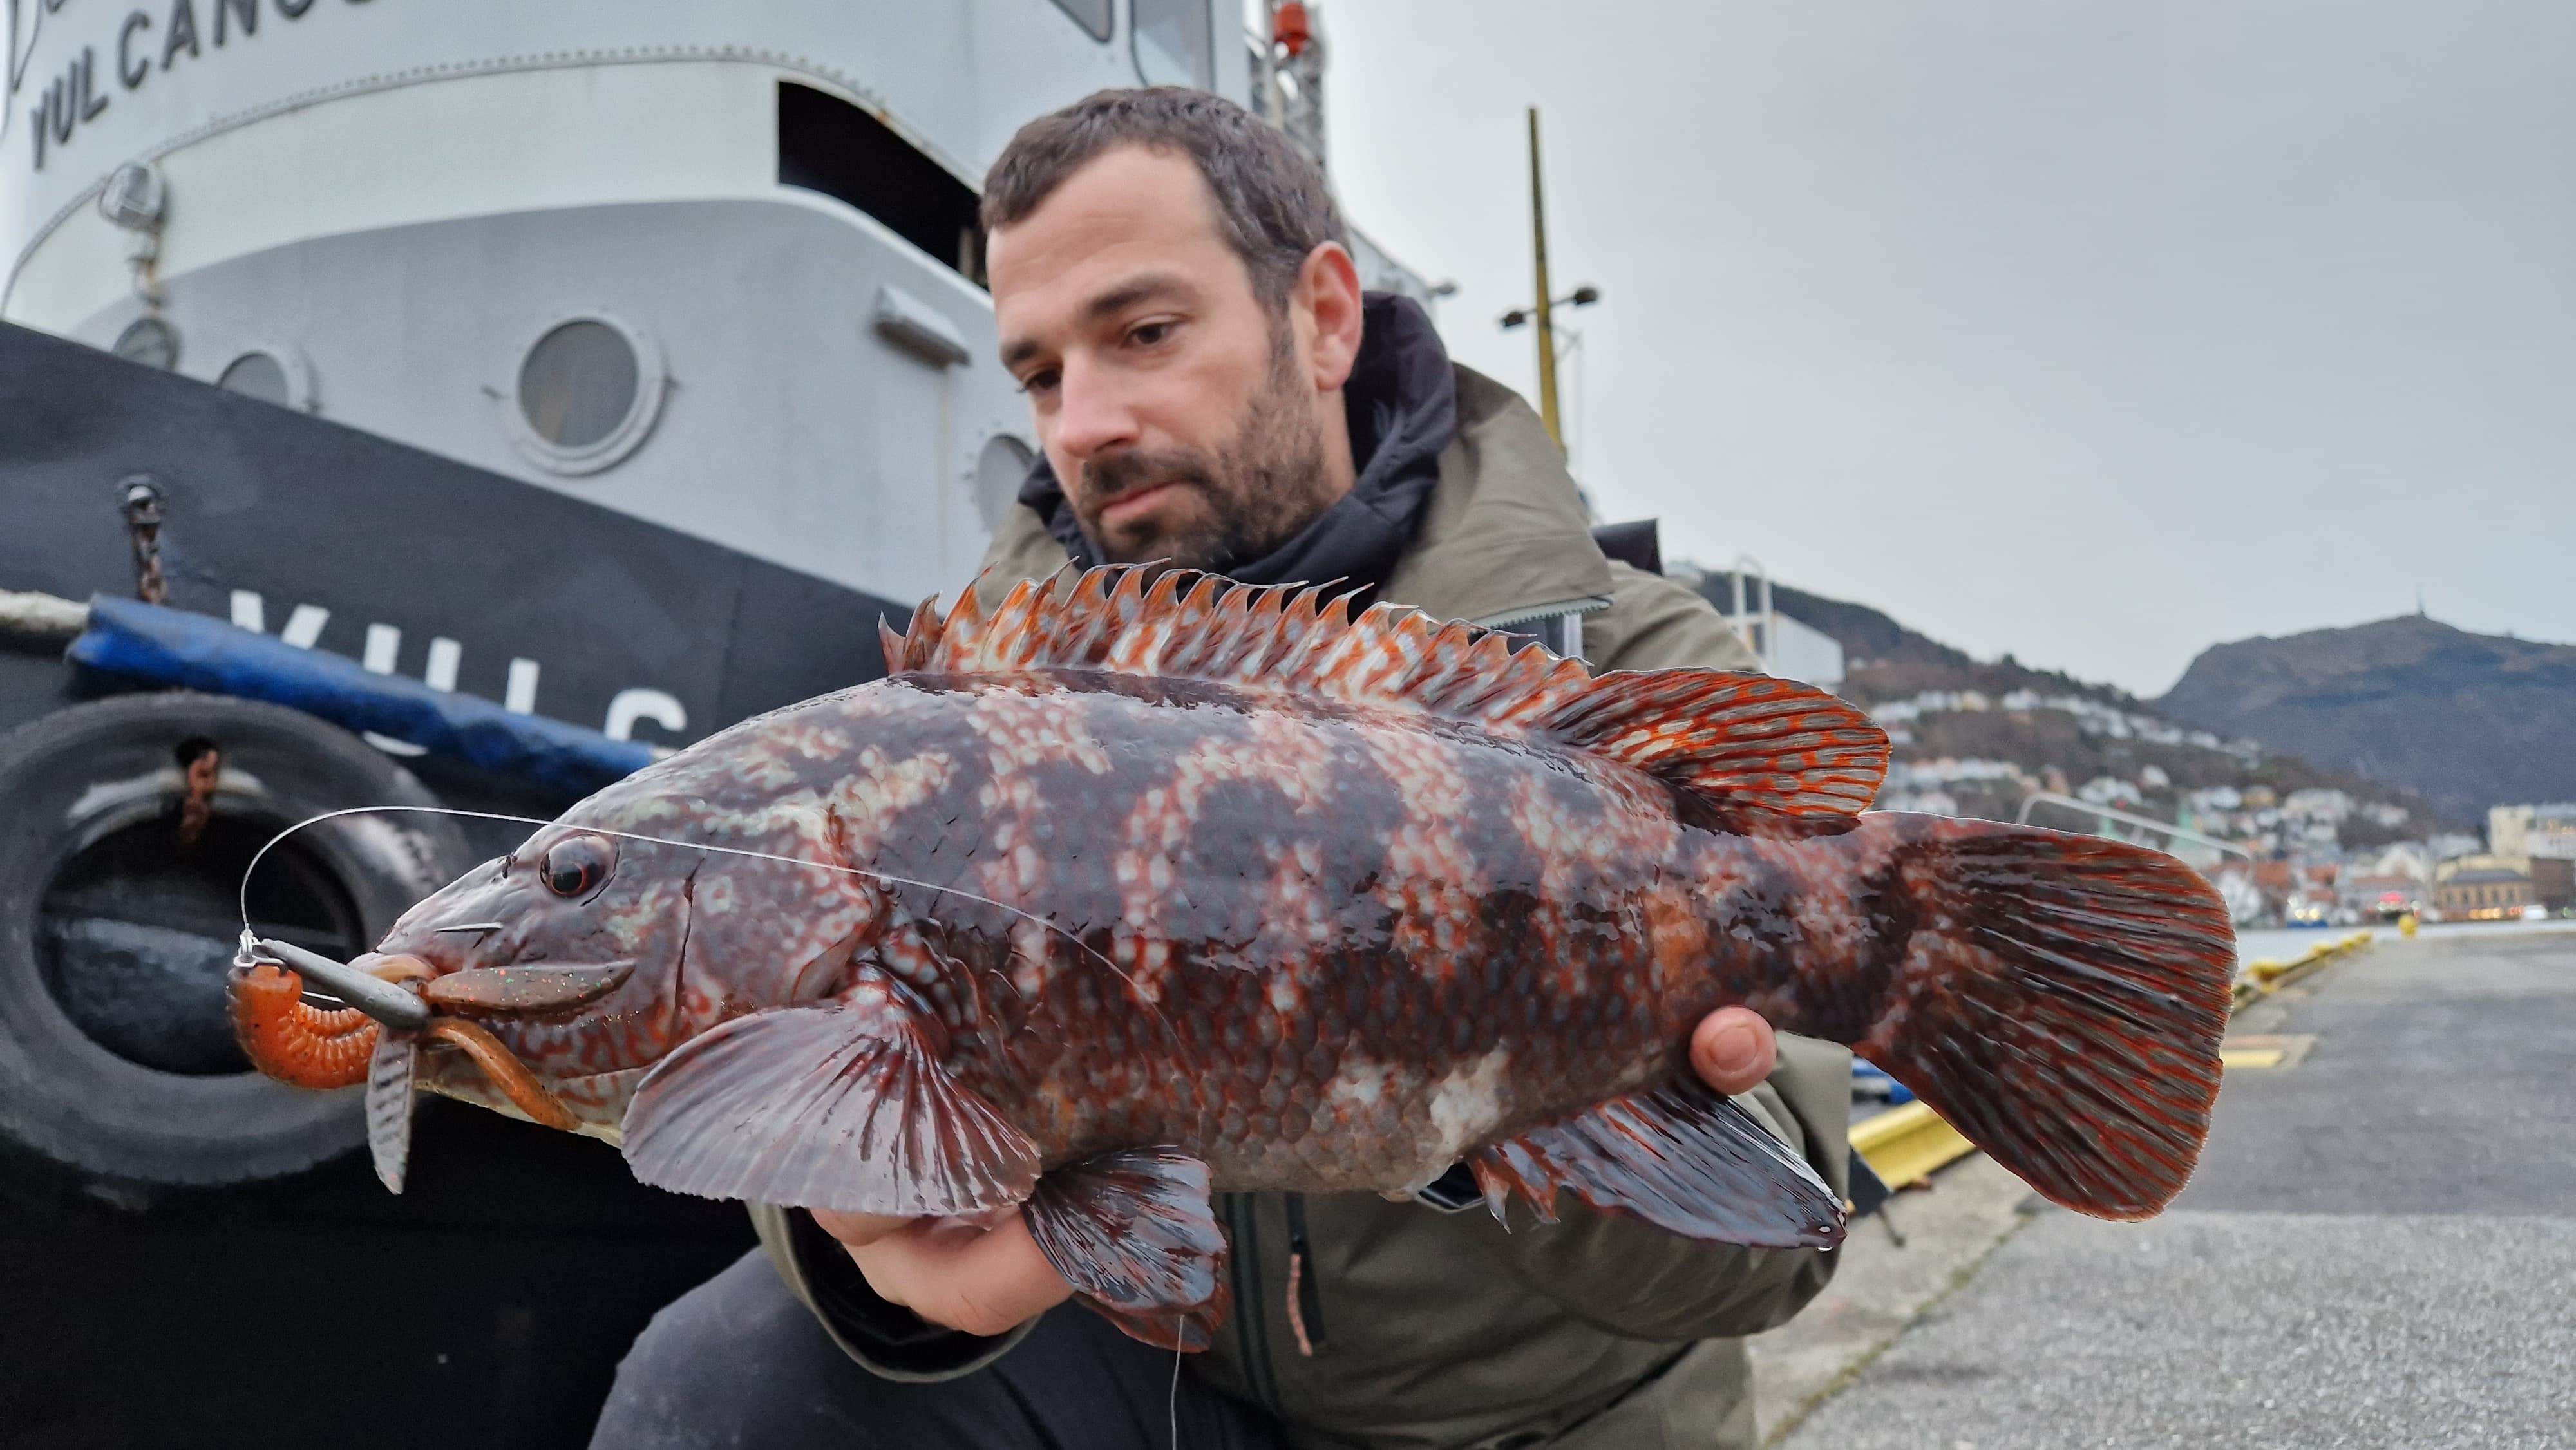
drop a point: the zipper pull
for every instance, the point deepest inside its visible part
(1305, 1293)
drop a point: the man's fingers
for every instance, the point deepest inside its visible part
(1733, 1050)
(857, 1230)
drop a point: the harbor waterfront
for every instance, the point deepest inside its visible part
(416, 417)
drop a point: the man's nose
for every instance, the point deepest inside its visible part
(1093, 415)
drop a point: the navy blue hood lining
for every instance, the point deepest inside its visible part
(1401, 401)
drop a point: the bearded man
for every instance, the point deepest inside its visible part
(1176, 295)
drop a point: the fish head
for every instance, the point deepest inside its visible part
(641, 918)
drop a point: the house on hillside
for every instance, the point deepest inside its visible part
(2403, 858)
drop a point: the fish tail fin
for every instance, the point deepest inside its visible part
(2058, 999)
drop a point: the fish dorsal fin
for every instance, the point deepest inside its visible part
(1746, 753)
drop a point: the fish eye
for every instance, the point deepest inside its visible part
(576, 865)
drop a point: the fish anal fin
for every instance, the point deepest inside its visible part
(1678, 1157)
(1134, 1233)
(840, 1107)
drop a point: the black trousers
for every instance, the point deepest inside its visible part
(738, 1363)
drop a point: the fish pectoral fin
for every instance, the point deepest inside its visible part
(538, 988)
(1134, 1233)
(1678, 1157)
(840, 1107)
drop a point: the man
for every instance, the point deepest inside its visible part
(1211, 387)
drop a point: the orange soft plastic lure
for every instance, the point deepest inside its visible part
(295, 1042)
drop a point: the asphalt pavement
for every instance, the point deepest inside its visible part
(2379, 1248)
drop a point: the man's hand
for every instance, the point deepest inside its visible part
(989, 1281)
(952, 1273)
(1733, 1050)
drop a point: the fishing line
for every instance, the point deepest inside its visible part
(886, 877)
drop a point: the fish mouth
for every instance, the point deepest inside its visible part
(378, 986)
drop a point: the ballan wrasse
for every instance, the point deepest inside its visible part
(1151, 884)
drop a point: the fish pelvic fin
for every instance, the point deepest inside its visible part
(2059, 999)
(1678, 1157)
(1136, 1236)
(840, 1107)
(1744, 753)
(389, 1104)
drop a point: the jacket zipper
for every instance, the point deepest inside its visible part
(1249, 1325)
(1305, 1290)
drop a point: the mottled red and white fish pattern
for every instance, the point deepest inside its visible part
(1151, 885)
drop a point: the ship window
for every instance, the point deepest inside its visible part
(999, 471)
(1171, 38)
(826, 144)
(150, 341)
(578, 383)
(1091, 15)
(589, 391)
(257, 375)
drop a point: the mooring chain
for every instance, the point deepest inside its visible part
(204, 769)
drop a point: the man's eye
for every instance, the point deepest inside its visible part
(1150, 333)
(1042, 381)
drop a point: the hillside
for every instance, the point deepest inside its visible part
(2468, 720)
(1974, 737)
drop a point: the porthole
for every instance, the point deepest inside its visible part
(1171, 43)
(1092, 15)
(999, 471)
(272, 374)
(587, 393)
(151, 341)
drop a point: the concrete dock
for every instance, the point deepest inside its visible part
(2379, 1249)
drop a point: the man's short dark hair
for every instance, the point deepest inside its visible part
(1274, 202)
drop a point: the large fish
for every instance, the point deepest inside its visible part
(1152, 885)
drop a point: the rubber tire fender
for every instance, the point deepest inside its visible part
(76, 776)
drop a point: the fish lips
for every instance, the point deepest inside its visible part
(531, 989)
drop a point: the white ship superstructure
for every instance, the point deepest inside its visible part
(711, 265)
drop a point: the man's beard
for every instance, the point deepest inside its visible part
(1260, 488)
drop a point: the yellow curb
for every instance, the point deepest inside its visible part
(1905, 1144)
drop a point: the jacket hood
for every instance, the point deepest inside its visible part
(1402, 404)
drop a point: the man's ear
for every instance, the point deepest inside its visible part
(1328, 292)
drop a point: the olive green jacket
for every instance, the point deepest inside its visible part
(1442, 1331)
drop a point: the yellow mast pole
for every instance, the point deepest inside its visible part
(1546, 329)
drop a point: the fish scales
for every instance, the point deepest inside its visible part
(1288, 988)
(1148, 885)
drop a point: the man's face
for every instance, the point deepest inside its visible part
(1178, 412)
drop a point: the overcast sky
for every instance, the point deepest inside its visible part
(2095, 332)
